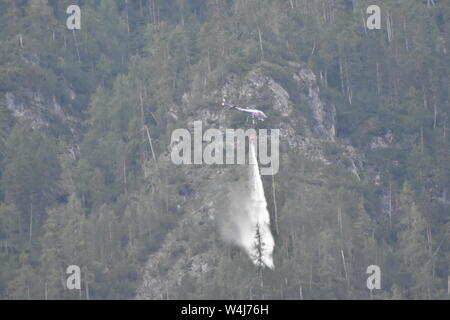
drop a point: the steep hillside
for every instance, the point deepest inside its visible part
(194, 251)
(87, 179)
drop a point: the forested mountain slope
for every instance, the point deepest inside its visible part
(86, 118)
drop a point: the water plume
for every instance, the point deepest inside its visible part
(247, 212)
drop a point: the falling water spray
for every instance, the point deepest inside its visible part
(258, 216)
(246, 220)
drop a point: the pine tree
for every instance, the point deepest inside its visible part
(51, 257)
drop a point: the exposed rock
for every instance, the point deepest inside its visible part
(381, 142)
(19, 109)
(323, 114)
(39, 110)
(180, 254)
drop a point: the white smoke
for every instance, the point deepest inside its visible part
(246, 212)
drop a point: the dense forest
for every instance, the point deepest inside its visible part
(86, 118)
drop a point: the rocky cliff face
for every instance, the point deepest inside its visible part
(307, 126)
(41, 111)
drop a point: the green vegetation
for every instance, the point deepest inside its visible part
(112, 205)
